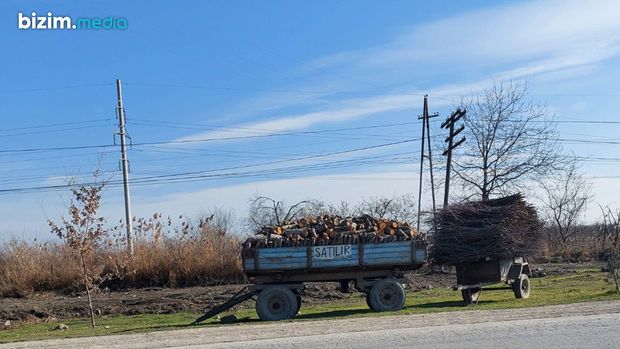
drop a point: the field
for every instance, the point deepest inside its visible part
(162, 309)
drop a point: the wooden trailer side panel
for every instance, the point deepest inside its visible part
(335, 257)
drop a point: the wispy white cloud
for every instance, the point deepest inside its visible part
(553, 39)
(504, 34)
(323, 187)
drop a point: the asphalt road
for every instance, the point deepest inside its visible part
(581, 325)
(594, 331)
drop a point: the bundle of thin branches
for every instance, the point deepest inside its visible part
(500, 228)
(331, 230)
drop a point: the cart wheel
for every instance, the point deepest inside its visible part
(276, 303)
(298, 297)
(370, 306)
(471, 295)
(386, 295)
(521, 287)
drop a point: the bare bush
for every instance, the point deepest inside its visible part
(613, 264)
(610, 229)
(217, 220)
(566, 195)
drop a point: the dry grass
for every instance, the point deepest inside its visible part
(26, 268)
(179, 262)
(176, 261)
(585, 245)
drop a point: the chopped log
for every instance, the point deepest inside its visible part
(331, 233)
(330, 230)
(401, 234)
(382, 224)
(313, 233)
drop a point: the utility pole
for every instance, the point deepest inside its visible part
(449, 124)
(430, 155)
(125, 166)
(426, 133)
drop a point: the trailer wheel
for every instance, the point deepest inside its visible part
(521, 287)
(276, 303)
(370, 306)
(471, 295)
(386, 295)
(298, 298)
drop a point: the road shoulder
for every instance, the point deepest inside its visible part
(249, 332)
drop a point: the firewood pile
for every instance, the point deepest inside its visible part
(331, 230)
(501, 228)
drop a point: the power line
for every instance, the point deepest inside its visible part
(216, 127)
(53, 125)
(260, 132)
(588, 141)
(95, 146)
(55, 88)
(257, 89)
(145, 170)
(76, 147)
(198, 173)
(304, 91)
(139, 182)
(50, 131)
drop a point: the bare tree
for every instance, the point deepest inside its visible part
(398, 207)
(342, 209)
(510, 140)
(265, 211)
(566, 195)
(609, 229)
(218, 220)
(83, 232)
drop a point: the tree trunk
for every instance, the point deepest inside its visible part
(90, 301)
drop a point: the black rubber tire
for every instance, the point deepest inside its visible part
(387, 295)
(298, 297)
(521, 287)
(368, 302)
(471, 295)
(276, 303)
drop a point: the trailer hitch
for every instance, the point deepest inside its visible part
(241, 296)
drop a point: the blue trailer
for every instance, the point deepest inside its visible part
(278, 274)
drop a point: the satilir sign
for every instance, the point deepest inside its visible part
(332, 252)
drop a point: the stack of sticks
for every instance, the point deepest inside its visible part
(331, 230)
(500, 228)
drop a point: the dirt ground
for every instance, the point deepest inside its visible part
(51, 306)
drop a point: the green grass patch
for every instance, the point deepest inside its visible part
(582, 286)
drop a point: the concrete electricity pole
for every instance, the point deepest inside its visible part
(125, 166)
(426, 133)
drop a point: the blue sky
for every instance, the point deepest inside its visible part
(252, 70)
